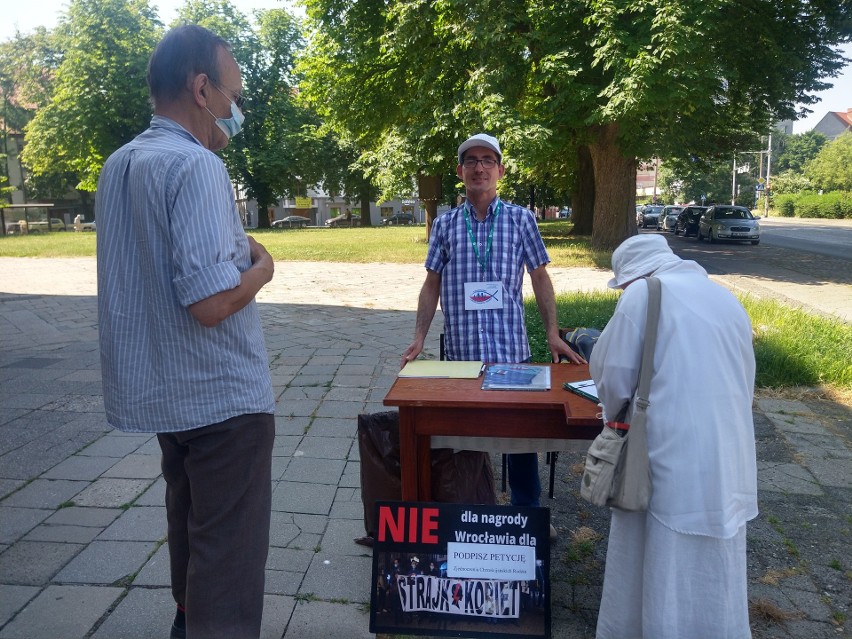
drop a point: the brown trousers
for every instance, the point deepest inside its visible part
(218, 503)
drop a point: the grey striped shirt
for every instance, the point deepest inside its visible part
(168, 236)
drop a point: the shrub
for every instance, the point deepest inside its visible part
(808, 205)
(784, 204)
(832, 205)
(790, 182)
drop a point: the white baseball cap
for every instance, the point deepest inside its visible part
(481, 139)
(638, 256)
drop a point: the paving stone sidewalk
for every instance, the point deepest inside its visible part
(82, 525)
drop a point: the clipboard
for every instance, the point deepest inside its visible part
(584, 388)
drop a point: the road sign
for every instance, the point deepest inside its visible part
(761, 181)
(759, 187)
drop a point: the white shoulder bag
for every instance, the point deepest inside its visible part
(617, 471)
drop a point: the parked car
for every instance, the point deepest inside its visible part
(649, 216)
(564, 213)
(668, 217)
(400, 218)
(41, 226)
(687, 220)
(80, 225)
(291, 222)
(341, 220)
(729, 222)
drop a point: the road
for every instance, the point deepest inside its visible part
(832, 238)
(806, 263)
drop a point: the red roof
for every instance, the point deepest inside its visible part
(844, 116)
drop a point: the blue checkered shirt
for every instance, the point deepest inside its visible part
(497, 335)
(169, 235)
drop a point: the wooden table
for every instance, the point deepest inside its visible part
(430, 407)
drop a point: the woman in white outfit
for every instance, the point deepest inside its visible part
(679, 570)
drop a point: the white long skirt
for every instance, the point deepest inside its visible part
(660, 584)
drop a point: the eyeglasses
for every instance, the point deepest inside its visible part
(487, 163)
(238, 98)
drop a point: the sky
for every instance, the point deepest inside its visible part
(25, 15)
(28, 14)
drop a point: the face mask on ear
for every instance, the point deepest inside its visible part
(233, 125)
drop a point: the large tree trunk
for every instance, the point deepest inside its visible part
(431, 214)
(266, 202)
(583, 199)
(366, 220)
(264, 211)
(430, 192)
(615, 190)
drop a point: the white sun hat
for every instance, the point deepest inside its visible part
(639, 256)
(481, 139)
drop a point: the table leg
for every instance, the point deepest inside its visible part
(408, 454)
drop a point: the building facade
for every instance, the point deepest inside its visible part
(319, 207)
(834, 123)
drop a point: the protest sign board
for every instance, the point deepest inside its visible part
(461, 570)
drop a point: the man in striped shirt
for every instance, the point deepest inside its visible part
(475, 266)
(182, 349)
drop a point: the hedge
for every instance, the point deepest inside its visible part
(833, 205)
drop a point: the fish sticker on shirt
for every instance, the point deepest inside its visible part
(480, 296)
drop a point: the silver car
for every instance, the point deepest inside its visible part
(668, 218)
(729, 222)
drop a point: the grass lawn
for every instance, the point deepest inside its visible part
(59, 244)
(396, 244)
(793, 348)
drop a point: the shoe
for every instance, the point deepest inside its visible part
(179, 625)
(553, 534)
(364, 541)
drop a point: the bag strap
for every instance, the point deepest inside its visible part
(646, 368)
(646, 365)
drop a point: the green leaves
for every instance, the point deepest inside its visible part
(376, 92)
(99, 95)
(831, 169)
(798, 150)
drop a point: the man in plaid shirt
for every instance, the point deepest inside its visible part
(475, 266)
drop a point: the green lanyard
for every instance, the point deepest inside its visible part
(482, 262)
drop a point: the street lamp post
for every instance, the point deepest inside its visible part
(766, 186)
(746, 168)
(656, 167)
(734, 181)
